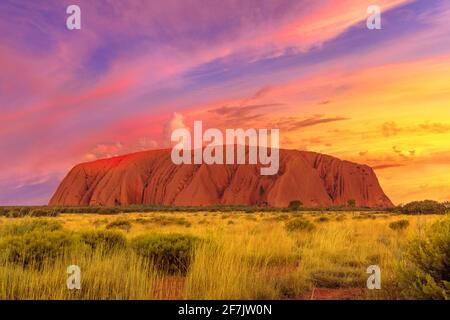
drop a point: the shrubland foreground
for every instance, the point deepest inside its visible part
(232, 255)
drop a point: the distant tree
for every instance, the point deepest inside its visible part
(424, 207)
(351, 203)
(295, 204)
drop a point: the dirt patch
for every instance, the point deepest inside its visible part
(170, 288)
(335, 294)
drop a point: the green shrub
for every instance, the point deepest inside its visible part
(351, 203)
(104, 239)
(120, 224)
(424, 272)
(295, 204)
(36, 247)
(399, 225)
(30, 225)
(423, 207)
(299, 224)
(171, 253)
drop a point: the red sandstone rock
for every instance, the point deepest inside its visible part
(150, 177)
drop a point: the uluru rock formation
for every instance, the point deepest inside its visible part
(150, 177)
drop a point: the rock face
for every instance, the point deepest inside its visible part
(150, 177)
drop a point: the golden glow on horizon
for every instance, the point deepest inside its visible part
(393, 118)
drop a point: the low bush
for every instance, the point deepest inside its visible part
(424, 273)
(36, 247)
(299, 224)
(171, 253)
(120, 224)
(323, 219)
(399, 225)
(104, 239)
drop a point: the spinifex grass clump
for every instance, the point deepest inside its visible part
(120, 224)
(399, 225)
(104, 239)
(323, 219)
(171, 253)
(299, 224)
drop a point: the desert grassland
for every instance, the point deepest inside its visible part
(241, 256)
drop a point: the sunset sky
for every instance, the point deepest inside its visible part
(139, 69)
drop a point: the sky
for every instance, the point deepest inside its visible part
(139, 69)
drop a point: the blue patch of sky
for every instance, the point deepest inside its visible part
(356, 39)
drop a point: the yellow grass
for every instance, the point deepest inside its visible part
(244, 256)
